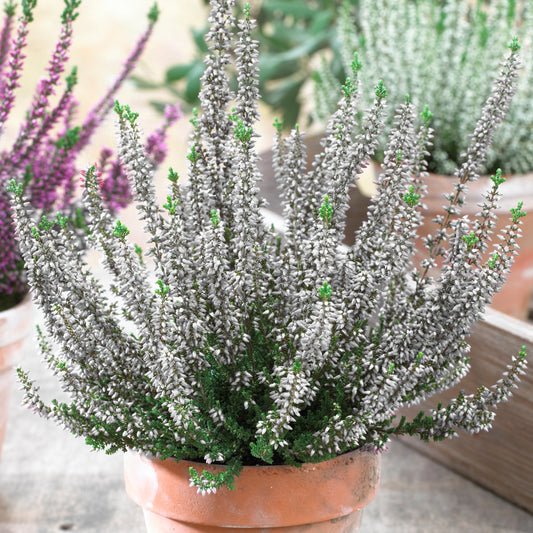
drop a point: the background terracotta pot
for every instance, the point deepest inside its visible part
(326, 497)
(15, 325)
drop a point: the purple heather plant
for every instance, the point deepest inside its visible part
(43, 155)
(240, 345)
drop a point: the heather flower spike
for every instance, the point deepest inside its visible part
(241, 346)
(43, 155)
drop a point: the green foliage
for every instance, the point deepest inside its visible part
(426, 115)
(78, 221)
(497, 179)
(193, 156)
(10, 8)
(45, 224)
(62, 220)
(124, 110)
(411, 198)
(72, 78)
(15, 188)
(70, 139)
(517, 212)
(262, 450)
(120, 231)
(154, 13)
(471, 239)
(170, 205)
(326, 211)
(325, 291)
(162, 289)
(139, 252)
(492, 261)
(381, 91)
(243, 133)
(215, 220)
(222, 478)
(278, 125)
(70, 13)
(172, 176)
(349, 87)
(27, 9)
(513, 45)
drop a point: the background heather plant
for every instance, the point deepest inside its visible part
(43, 155)
(445, 55)
(238, 345)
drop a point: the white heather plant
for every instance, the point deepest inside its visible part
(445, 55)
(236, 345)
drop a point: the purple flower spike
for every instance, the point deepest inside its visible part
(9, 78)
(43, 156)
(155, 145)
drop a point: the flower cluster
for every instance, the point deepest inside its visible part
(43, 155)
(235, 344)
(445, 55)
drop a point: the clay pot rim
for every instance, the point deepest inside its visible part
(205, 466)
(516, 187)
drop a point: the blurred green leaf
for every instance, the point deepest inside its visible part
(290, 32)
(177, 72)
(274, 66)
(193, 82)
(288, 35)
(141, 83)
(198, 36)
(296, 8)
(321, 22)
(285, 96)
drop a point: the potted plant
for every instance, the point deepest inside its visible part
(442, 55)
(43, 156)
(239, 358)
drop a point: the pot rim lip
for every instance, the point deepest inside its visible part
(201, 464)
(319, 135)
(433, 175)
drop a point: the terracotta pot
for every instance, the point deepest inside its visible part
(15, 324)
(326, 497)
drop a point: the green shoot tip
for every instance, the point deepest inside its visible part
(154, 13)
